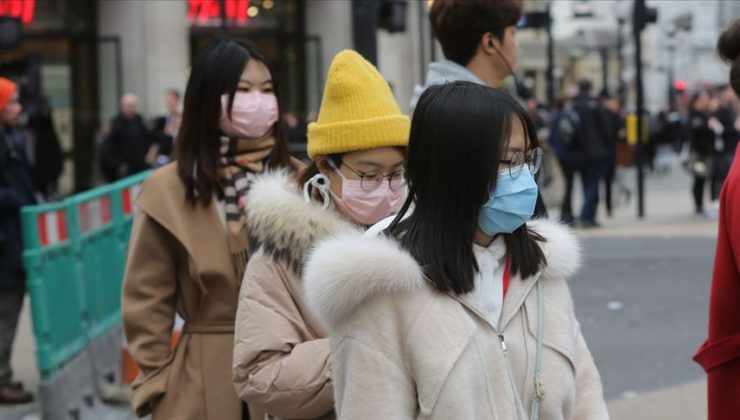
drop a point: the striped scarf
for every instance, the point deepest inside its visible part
(241, 159)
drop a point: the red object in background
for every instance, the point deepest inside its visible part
(680, 85)
(202, 11)
(720, 353)
(21, 9)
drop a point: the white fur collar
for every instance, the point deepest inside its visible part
(345, 270)
(282, 223)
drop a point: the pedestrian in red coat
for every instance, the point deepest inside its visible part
(720, 354)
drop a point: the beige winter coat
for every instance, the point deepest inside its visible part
(281, 353)
(403, 350)
(178, 262)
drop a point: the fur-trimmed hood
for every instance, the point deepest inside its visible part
(349, 268)
(281, 223)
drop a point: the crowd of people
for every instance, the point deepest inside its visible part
(406, 268)
(588, 136)
(368, 281)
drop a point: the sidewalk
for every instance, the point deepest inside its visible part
(669, 208)
(684, 402)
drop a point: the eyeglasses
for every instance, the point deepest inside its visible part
(517, 161)
(371, 181)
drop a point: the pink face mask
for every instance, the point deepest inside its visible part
(252, 114)
(367, 208)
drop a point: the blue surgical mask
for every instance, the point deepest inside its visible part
(511, 204)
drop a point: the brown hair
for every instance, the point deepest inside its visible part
(728, 47)
(313, 168)
(459, 25)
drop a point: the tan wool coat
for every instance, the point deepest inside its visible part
(403, 350)
(179, 262)
(281, 353)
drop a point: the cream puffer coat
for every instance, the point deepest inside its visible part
(281, 353)
(403, 350)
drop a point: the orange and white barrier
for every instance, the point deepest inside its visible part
(127, 197)
(52, 228)
(95, 214)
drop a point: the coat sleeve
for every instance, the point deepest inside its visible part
(368, 385)
(278, 365)
(148, 307)
(590, 404)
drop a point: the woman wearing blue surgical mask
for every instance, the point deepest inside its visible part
(462, 309)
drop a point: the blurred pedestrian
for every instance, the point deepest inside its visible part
(295, 135)
(165, 130)
(129, 140)
(589, 148)
(614, 130)
(534, 111)
(49, 159)
(720, 353)
(16, 191)
(724, 124)
(356, 178)
(701, 136)
(478, 38)
(442, 317)
(565, 161)
(189, 247)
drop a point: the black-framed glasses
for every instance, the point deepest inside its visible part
(371, 181)
(519, 159)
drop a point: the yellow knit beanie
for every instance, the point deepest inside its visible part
(358, 110)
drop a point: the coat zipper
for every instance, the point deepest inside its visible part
(514, 392)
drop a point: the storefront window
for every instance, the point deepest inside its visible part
(254, 14)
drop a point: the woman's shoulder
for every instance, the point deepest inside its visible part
(281, 223)
(562, 249)
(163, 181)
(351, 272)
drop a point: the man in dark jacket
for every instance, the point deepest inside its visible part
(128, 141)
(589, 149)
(16, 191)
(49, 158)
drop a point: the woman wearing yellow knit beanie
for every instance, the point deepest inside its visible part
(356, 178)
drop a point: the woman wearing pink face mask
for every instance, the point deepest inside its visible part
(188, 249)
(356, 178)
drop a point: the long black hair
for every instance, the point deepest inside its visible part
(197, 148)
(459, 132)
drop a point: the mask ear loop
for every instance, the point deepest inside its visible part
(322, 184)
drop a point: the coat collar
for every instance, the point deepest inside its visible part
(346, 270)
(281, 223)
(198, 229)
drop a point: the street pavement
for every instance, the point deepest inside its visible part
(641, 297)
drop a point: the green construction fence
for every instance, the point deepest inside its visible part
(75, 255)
